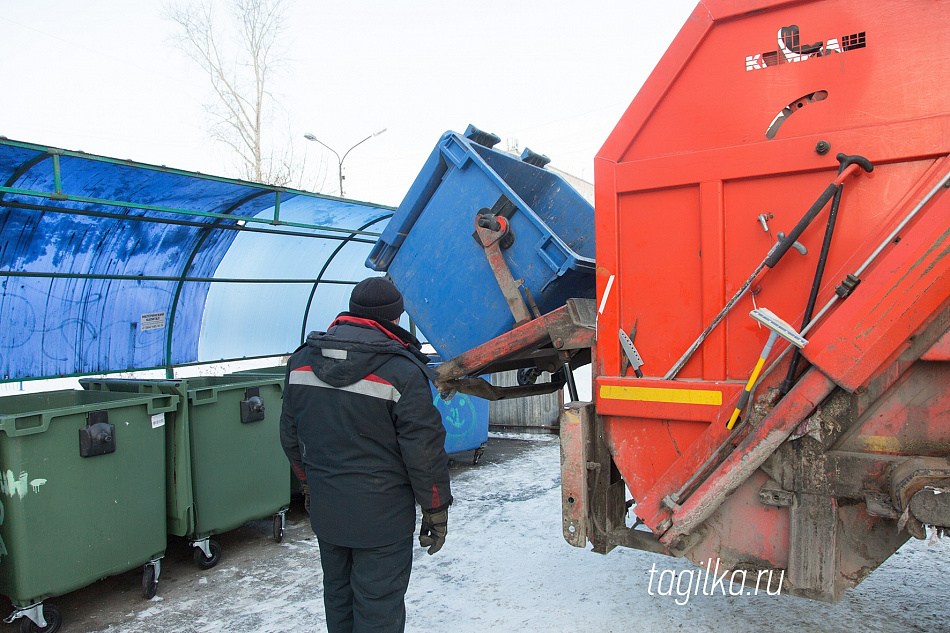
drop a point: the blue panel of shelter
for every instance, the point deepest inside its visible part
(294, 284)
(105, 265)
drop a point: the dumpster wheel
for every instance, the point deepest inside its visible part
(150, 581)
(54, 620)
(207, 562)
(279, 526)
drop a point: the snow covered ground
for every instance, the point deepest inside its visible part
(504, 567)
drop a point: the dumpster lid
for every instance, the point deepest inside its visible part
(109, 265)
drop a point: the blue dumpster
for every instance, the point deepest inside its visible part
(465, 419)
(430, 253)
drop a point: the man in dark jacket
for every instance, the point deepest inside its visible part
(359, 427)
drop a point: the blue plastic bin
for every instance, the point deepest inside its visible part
(465, 419)
(430, 253)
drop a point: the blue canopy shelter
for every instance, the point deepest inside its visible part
(110, 265)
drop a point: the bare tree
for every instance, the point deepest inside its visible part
(240, 62)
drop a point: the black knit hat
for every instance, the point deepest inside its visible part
(376, 298)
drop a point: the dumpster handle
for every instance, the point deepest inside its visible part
(210, 399)
(456, 151)
(558, 268)
(9, 424)
(169, 403)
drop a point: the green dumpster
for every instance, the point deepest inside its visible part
(278, 371)
(82, 494)
(225, 465)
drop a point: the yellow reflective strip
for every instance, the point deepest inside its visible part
(655, 394)
(885, 444)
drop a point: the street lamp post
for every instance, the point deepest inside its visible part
(311, 137)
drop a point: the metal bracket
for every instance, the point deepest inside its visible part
(592, 490)
(33, 612)
(157, 564)
(203, 545)
(772, 494)
(491, 231)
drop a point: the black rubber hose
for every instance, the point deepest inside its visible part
(789, 381)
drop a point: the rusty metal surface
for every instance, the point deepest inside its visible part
(750, 454)
(939, 350)
(536, 343)
(911, 418)
(911, 476)
(607, 491)
(576, 427)
(813, 554)
(637, 539)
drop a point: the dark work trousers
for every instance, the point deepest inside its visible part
(364, 589)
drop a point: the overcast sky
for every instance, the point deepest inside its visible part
(554, 75)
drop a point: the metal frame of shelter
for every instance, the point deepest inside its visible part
(92, 242)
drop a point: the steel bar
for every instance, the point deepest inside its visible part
(227, 280)
(155, 220)
(160, 209)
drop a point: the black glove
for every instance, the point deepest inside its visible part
(434, 528)
(306, 497)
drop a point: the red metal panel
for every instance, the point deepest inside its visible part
(644, 448)
(660, 80)
(745, 529)
(912, 418)
(607, 359)
(918, 139)
(746, 101)
(661, 276)
(713, 255)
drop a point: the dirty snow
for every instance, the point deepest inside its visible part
(504, 567)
